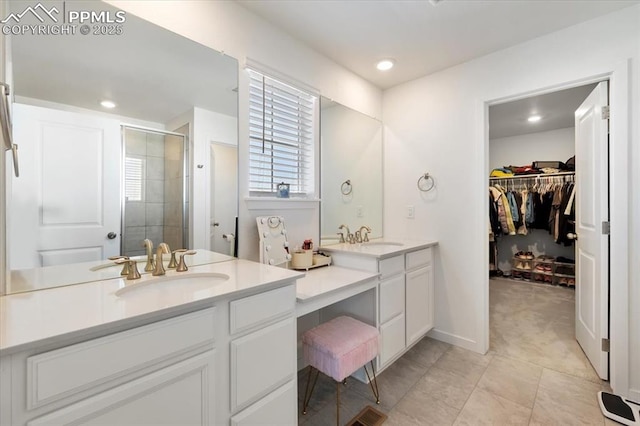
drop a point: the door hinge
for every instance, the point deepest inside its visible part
(605, 345)
(606, 227)
(605, 112)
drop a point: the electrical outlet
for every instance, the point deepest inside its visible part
(359, 212)
(411, 212)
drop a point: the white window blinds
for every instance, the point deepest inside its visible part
(282, 123)
(134, 172)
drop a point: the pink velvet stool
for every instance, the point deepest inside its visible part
(338, 348)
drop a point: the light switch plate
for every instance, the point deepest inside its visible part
(411, 212)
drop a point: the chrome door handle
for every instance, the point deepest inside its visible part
(111, 235)
(572, 236)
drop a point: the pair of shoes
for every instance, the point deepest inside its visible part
(524, 255)
(571, 281)
(520, 265)
(562, 281)
(527, 265)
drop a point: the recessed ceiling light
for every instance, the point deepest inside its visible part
(385, 64)
(108, 104)
(534, 118)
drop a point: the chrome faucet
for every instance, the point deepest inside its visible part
(362, 234)
(148, 245)
(163, 248)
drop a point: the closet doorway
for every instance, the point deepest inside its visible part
(548, 259)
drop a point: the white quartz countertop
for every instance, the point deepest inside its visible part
(322, 281)
(379, 248)
(61, 275)
(39, 317)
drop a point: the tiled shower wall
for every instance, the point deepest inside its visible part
(173, 189)
(158, 214)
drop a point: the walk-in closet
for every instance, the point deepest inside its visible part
(534, 186)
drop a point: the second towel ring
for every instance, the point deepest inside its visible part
(346, 187)
(426, 182)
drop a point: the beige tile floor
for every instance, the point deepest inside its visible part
(534, 374)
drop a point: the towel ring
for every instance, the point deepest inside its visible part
(346, 187)
(426, 182)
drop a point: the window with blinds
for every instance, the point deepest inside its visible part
(282, 129)
(134, 172)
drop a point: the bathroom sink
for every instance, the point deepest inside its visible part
(194, 281)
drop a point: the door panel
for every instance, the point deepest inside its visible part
(67, 198)
(591, 210)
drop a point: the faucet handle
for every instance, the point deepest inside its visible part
(173, 263)
(351, 238)
(358, 237)
(182, 266)
(341, 237)
(134, 274)
(121, 260)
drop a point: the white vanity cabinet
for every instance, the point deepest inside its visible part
(232, 361)
(405, 294)
(419, 294)
(161, 373)
(263, 358)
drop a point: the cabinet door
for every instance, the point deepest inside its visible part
(419, 306)
(391, 298)
(392, 335)
(179, 394)
(278, 408)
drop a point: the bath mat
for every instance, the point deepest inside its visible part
(369, 416)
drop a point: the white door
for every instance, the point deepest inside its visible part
(592, 249)
(224, 201)
(66, 201)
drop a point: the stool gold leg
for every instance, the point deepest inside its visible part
(338, 404)
(307, 394)
(373, 383)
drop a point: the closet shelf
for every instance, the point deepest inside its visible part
(532, 176)
(564, 275)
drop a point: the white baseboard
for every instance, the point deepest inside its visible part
(455, 340)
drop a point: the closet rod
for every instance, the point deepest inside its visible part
(532, 176)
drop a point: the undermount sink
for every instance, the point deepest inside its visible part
(195, 281)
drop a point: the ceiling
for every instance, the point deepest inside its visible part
(556, 109)
(421, 36)
(151, 73)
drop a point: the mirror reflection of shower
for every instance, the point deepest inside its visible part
(155, 194)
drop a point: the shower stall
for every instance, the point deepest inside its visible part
(155, 189)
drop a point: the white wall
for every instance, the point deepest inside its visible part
(228, 27)
(436, 124)
(554, 145)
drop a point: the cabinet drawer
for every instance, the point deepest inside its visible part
(256, 310)
(391, 298)
(63, 372)
(391, 266)
(261, 361)
(419, 258)
(277, 408)
(181, 394)
(392, 335)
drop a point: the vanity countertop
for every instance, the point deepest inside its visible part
(57, 276)
(40, 317)
(380, 248)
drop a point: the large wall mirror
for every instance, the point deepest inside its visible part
(95, 181)
(351, 171)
